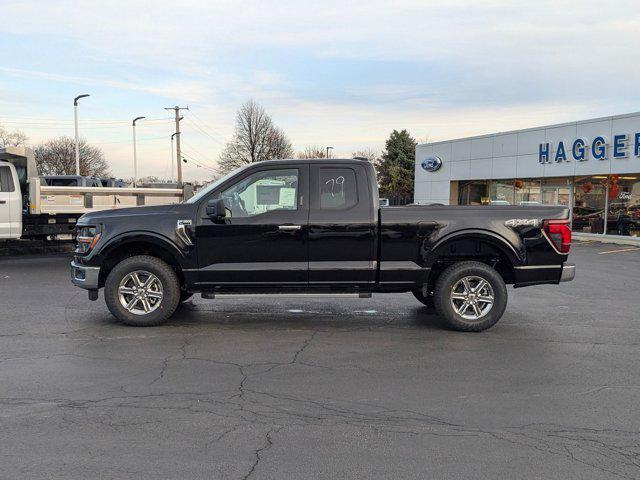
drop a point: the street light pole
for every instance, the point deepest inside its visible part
(328, 148)
(135, 158)
(75, 123)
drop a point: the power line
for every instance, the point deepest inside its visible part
(66, 127)
(196, 162)
(128, 141)
(202, 161)
(57, 121)
(205, 126)
(200, 154)
(205, 133)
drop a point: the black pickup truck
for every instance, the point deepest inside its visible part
(315, 226)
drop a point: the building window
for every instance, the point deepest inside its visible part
(473, 193)
(527, 192)
(623, 212)
(502, 192)
(556, 191)
(589, 204)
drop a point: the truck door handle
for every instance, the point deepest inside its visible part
(289, 227)
(2, 202)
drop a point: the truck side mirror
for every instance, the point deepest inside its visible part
(216, 209)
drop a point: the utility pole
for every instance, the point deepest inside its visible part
(172, 159)
(135, 157)
(75, 123)
(177, 109)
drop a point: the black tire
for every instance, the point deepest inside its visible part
(426, 301)
(165, 307)
(452, 278)
(184, 296)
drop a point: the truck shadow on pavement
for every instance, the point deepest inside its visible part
(190, 314)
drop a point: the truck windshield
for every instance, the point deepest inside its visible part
(203, 192)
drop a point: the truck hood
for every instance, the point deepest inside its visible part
(106, 215)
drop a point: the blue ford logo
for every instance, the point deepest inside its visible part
(432, 163)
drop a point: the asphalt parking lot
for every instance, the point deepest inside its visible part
(279, 388)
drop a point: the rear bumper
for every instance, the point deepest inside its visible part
(85, 277)
(568, 272)
(543, 274)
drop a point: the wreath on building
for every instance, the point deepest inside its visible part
(519, 184)
(587, 187)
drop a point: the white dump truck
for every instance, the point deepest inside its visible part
(31, 209)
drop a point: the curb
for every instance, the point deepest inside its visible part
(595, 237)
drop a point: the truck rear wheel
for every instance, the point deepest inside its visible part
(471, 296)
(142, 291)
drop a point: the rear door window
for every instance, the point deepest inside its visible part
(338, 188)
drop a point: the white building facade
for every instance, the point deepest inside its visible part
(592, 166)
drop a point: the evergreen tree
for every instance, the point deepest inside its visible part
(396, 168)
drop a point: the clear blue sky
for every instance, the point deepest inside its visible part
(330, 73)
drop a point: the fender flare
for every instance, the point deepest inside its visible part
(487, 236)
(142, 236)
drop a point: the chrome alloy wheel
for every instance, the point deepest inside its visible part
(472, 297)
(140, 292)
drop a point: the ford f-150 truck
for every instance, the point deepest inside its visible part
(315, 226)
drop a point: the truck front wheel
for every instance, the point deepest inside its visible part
(142, 291)
(470, 296)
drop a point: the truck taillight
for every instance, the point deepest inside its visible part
(559, 233)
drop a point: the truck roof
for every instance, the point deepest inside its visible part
(312, 160)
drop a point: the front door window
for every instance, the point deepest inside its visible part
(263, 192)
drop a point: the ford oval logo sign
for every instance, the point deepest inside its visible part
(432, 163)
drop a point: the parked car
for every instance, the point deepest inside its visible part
(315, 226)
(113, 183)
(70, 181)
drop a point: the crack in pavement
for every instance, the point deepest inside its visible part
(611, 451)
(258, 453)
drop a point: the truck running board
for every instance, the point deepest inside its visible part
(212, 295)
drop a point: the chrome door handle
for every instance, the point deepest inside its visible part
(289, 227)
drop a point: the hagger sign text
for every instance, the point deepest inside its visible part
(580, 150)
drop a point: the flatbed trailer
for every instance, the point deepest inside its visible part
(29, 209)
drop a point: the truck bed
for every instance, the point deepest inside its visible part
(420, 233)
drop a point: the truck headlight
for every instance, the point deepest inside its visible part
(87, 238)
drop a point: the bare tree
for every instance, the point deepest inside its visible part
(57, 157)
(255, 139)
(12, 139)
(368, 153)
(312, 151)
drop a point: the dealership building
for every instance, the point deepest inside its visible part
(591, 166)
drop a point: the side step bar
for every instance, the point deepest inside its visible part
(212, 295)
